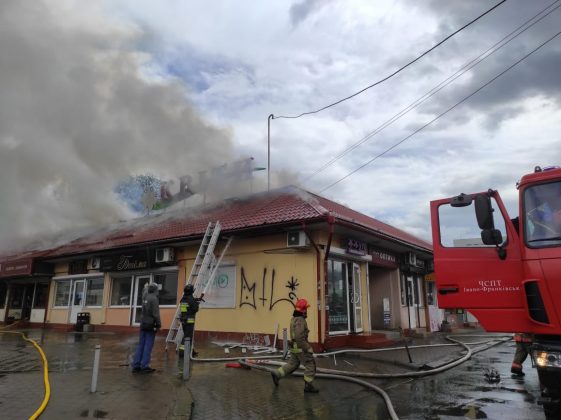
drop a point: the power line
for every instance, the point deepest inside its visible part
(466, 67)
(442, 114)
(398, 70)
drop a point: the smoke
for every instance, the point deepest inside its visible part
(78, 114)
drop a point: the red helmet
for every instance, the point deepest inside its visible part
(302, 305)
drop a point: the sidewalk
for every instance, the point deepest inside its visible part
(120, 394)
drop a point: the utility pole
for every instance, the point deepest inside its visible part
(269, 151)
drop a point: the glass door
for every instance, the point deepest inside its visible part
(138, 285)
(356, 298)
(77, 299)
(338, 297)
(411, 284)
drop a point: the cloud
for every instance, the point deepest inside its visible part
(302, 10)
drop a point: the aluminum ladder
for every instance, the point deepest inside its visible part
(203, 271)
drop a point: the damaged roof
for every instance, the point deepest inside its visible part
(285, 206)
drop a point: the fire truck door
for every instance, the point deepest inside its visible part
(470, 274)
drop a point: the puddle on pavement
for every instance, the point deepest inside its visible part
(95, 414)
(463, 411)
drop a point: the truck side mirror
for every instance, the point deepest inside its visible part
(491, 237)
(484, 212)
(461, 200)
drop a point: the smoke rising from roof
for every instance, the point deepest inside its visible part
(78, 113)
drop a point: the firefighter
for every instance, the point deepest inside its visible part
(301, 351)
(523, 344)
(188, 308)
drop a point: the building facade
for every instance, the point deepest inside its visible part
(358, 274)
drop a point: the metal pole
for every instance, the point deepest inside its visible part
(95, 368)
(186, 358)
(284, 343)
(269, 151)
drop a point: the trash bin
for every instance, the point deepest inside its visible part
(82, 319)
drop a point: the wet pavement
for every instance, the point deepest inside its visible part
(215, 391)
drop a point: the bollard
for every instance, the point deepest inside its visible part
(95, 368)
(186, 358)
(284, 343)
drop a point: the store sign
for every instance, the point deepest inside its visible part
(16, 268)
(126, 261)
(355, 247)
(384, 259)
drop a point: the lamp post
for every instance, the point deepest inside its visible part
(269, 151)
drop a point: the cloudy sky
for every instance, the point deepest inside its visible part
(94, 91)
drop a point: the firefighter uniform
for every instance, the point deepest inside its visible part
(523, 348)
(301, 351)
(188, 306)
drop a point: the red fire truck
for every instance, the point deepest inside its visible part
(507, 272)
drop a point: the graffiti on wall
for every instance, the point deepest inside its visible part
(249, 291)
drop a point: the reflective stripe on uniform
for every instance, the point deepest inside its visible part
(183, 307)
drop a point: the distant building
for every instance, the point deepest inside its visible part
(360, 275)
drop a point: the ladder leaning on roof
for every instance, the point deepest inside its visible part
(204, 269)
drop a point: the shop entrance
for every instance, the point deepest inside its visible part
(356, 298)
(344, 297)
(21, 297)
(77, 299)
(138, 286)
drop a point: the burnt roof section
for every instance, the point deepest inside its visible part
(282, 207)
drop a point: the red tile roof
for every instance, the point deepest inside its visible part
(285, 206)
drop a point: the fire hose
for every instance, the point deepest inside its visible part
(261, 362)
(47, 386)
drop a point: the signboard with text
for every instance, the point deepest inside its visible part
(384, 259)
(22, 267)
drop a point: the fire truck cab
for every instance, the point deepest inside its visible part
(507, 271)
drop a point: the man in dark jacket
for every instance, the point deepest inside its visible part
(189, 306)
(301, 351)
(149, 325)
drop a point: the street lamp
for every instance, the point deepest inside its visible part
(269, 151)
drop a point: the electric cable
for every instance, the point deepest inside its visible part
(443, 113)
(444, 83)
(398, 70)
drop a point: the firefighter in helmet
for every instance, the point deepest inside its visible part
(188, 309)
(301, 351)
(523, 347)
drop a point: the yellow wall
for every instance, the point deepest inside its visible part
(58, 316)
(264, 303)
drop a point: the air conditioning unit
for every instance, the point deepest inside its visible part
(164, 255)
(297, 239)
(412, 258)
(94, 263)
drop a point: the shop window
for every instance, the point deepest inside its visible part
(121, 291)
(168, 288)
(41, 294)
(62, 294)
(430, 293)
(94, 294)
(3, 293)
(416, 293)
(338, 297)
(403, 290)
